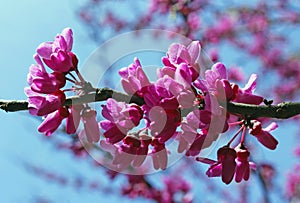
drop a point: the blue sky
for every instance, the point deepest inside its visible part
(24, 26)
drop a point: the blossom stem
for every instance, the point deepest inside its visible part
(80, 77)
(235, 123)
(243, 135)
(73, 81)
(72, 89)
(236, 134)
(72, 76)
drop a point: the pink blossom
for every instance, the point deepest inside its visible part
(211, 115)
(217, 72)
(177, 54)
(202, 127)
(134, 78)
(91, 127)
(245, 95)
(217, 84)
(197, 145)
(161, 111)
(73, 119)
(215, 170)
(142, 150)
(243, 165)
(112, 133)
(263, 134)
(121, 118)
(225, 166)
(132, 151)
(183, 76)
(43, 82)
(57, 54)
(191, 138)
(161, 94)
(40, 105)
(179, 88)
(226, 156)
(52, 121)
(159, 155)
(225, 91)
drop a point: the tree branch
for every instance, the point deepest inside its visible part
(283, 110)
(101, 94)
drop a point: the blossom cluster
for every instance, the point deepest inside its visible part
(179, 87)
(45, 93)
(181, 105)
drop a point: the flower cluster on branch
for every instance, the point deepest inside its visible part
(133, 132)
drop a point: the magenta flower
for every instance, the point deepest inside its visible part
(178, 88)
(243, 166)
(162, 93)
(40, 105)
(142, 150)
(245, 95)
(73, 120)
(183, 76)
(177, 54)
(57, 54)
(133, 151)
(226, 156)
(112, 133)
(202, 127)
(161, 112)
(121, 118)
(53, 120)
(43, 82)
(91, 127)
(215, 170)
(225, 91)
(192, 139)
(212, 115)
(217, 84)
(134, 78)
(263, 134)
(138, 147)
(217, 72)
(224, 167)
(127, 152)
(197, 145)
(159, 155)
